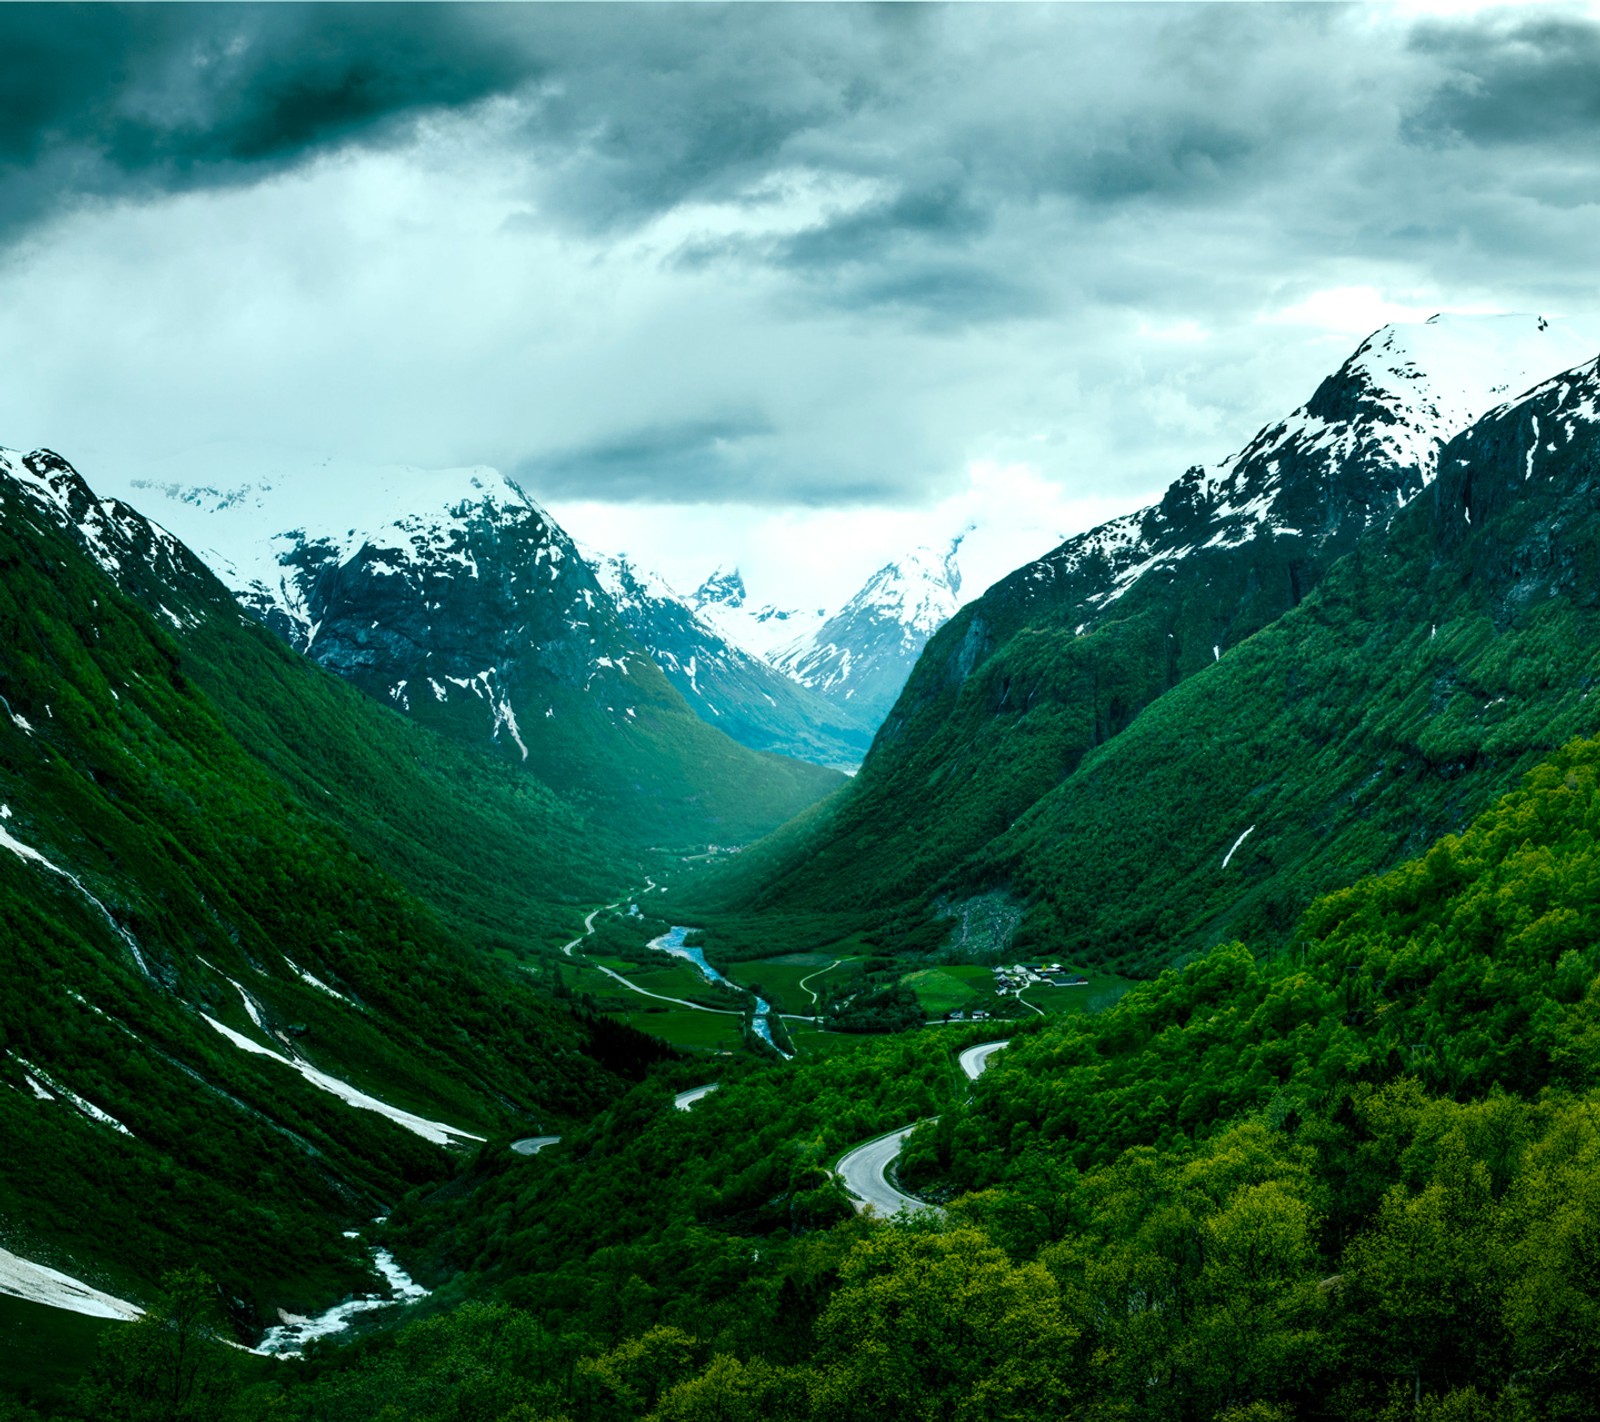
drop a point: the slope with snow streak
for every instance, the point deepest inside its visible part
(28, 854)
(38, 1283)
(435, 1131)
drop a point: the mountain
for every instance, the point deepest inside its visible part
(723, 601)
(860, 656)
(455, 599)
(1020, 703)
(242, 1011)
(435, 815)
(726, 685)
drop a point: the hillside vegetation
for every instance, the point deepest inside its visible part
(157, 869)
(1354, 1179)
(1433, 664)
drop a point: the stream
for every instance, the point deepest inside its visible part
(289, 1338)
(672, 942)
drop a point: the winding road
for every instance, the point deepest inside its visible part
(864, 1170)
(820, 971)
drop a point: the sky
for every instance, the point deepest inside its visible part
(791, 287)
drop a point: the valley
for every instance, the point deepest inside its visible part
(667, 1054)
(799, 713)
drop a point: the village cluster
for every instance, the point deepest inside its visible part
(1012, 980)
(1021, 975)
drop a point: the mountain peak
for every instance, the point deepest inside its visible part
(724, 588)
(921, 590)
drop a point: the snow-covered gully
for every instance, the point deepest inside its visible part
(38, 1283)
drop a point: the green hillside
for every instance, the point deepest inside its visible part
(1350, 1181)
(157, 871)
(1433, 664)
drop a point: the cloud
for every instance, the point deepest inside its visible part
(813, 257)
(114, 100)
(709, 460)
(1512, 81)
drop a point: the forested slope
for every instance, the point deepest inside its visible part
(1354, 1179)
(1440, 657)
(157, 873)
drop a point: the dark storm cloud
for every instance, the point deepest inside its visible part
(635, 109)
(706, 458)
(109, 100)
(1529, 81)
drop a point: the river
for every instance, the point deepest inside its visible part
(672, 942)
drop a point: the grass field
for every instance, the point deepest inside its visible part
(975, 975)
(780, 978)
(939, 990)
(677, 979)
(684, 1027)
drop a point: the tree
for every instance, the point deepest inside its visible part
(170, 1365)
(935, 1323)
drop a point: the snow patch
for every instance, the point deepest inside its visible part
(38, 1283)
(435, 1131)
(28, 853)
(1229, 855)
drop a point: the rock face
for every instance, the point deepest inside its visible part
(454, 598)
(727, 685)
(858, 657)
(1023, 697)
(861, 656)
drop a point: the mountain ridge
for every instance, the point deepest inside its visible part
(454, 598)
(1035, 682)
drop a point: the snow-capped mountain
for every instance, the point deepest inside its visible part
(728, 685)
(766, 630)
(857, 657)
(427, 589)
(861, 655)
(456, 599)
(1361, 447)
(140, 557)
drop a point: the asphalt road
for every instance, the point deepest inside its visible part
(863, 1174)
(864, 1170)
(685, 1099)
(532, 1145)
(975, 1059)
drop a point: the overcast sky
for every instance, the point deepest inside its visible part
(794, 286)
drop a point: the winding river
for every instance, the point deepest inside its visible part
(672, 942)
